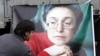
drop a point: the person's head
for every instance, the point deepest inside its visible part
(60, 24)
(24, 29)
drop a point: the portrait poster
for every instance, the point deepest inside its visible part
(84, 35)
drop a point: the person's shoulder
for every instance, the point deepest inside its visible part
(6, 39)
(6, 35)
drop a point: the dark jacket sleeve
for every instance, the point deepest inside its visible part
(28, 53)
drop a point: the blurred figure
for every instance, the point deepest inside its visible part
(13, 44)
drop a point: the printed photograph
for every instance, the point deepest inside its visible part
(60, 29)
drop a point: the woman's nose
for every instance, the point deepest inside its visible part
(60, 28)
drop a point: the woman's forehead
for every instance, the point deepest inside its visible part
(60, 9)
(60, 12)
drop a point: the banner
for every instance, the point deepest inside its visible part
(77, 20)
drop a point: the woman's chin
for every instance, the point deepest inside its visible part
(59, 44)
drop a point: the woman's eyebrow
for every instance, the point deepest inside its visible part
(66, 18)
(53, 18)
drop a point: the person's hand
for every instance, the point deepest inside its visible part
(59, 50)
(67, 53)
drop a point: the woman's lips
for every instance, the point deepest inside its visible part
(60, 37)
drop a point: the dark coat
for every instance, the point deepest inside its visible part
(12, 45)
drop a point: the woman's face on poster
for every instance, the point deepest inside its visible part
(60, 25)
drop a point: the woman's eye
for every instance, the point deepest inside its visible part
(53, 22)
(67, 23)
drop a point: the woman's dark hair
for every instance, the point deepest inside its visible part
(24, 26)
